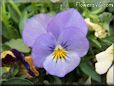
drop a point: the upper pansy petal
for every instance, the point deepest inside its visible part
(43, 46)
(34, 27)
(73, 40)
(62, 66)
(68, 18)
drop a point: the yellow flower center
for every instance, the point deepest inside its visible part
(59, 53)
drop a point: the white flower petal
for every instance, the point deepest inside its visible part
(110, 76)
(104, 60)
(102, 67)
(100, 32)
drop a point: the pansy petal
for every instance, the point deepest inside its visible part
(102, 67)
(29, 60)
(73, 40)
(20, 57)
(104, 56)
(104, 60)
(62, 66)
(68, 18)
(43, 46)
(110, 76)
(34, 27)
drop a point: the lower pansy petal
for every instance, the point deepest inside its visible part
(61, 66)
(34, 27)
(73, 39)
(43, 46)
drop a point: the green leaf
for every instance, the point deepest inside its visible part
(5, 47)
(13, 14)
(111, 9)
(95, 42)
(14, 71)
(57, 80)
(18, 44)
(4, 70)
(14, 6)
(88, 81)
(105, 19)
(45, 82)
(88, 70)
(0, 43)
(17, 81)
(87, 58)
(108, 40)
(22, 21)
(8, 31)
(99, 5)
(64, 5)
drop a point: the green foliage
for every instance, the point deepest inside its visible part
(17, 81)
(89, 71)
(105, 18)
(8, 30)
(22, 21)
(18, 44)
(94, 41)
